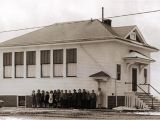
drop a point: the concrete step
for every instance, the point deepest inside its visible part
(146, 95)
(148, 99)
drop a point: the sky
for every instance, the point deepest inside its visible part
(17, 14)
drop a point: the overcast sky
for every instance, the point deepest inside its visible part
(15, 14)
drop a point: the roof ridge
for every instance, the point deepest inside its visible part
(70, 22)
(126, 26)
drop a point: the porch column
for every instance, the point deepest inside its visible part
(38, 65)
(13, 65)
(64, 62)
(24, 67)
(51, 63)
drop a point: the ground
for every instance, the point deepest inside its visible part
(73, 114)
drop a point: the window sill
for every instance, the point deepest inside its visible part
(71, 76)
(7, 77)
(57, 76)
(45, 76)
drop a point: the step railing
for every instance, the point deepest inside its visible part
(132, 100)
(152, 98)
(150, 86)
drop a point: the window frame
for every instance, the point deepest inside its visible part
(68, 60)
(21, 62)
(32, 62)
(6, 56)
(55, 60)
(43, 61)
(118, 71)
(133, 36)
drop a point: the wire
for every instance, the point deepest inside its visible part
(134, 14)
(125, 15)
(24, 29)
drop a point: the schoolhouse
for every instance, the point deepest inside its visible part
(87, 55)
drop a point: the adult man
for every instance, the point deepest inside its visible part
(61, 99)
(79, 99)
(42, 98)
(74, 99)
(93, 100)
(69, 99)
(33, 99)
(38, 98)
(65, 99)
(84, 100)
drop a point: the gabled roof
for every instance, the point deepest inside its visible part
(100, 74)
(79, 31)
(61, 32)
(124, 30)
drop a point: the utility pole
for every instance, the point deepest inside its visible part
(102, 14)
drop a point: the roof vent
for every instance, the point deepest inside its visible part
(107, 21)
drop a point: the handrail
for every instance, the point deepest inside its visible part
(151, 87)
(144, 92)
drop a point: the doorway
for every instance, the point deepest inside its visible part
(21, 101)
(134, 79)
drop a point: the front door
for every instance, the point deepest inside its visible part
(134, 79)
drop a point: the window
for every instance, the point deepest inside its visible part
(7, 65)
(45, 63)
(145, 75)
(71, 61)
(31, 62)
(58, 63)
(19, 62)
(133, 36)
(118, 72)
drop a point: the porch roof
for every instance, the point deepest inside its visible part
(100, 74)
(138, 57)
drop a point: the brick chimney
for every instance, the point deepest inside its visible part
(108, 22)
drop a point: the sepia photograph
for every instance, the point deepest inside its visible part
(79, 59)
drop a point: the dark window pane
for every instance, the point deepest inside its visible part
(19, 58)
(45, 57)
(145, 72)
(71, 55)
(145, 75)
(31, 57)
(7, 59)
(58, 56)
(118, 71)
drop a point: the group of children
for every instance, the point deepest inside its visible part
(80, 99)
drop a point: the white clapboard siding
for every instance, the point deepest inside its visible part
(8, 71)
(58, 69)
(31, 70)
(45, 70)
(19, 70)
(72, 69)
